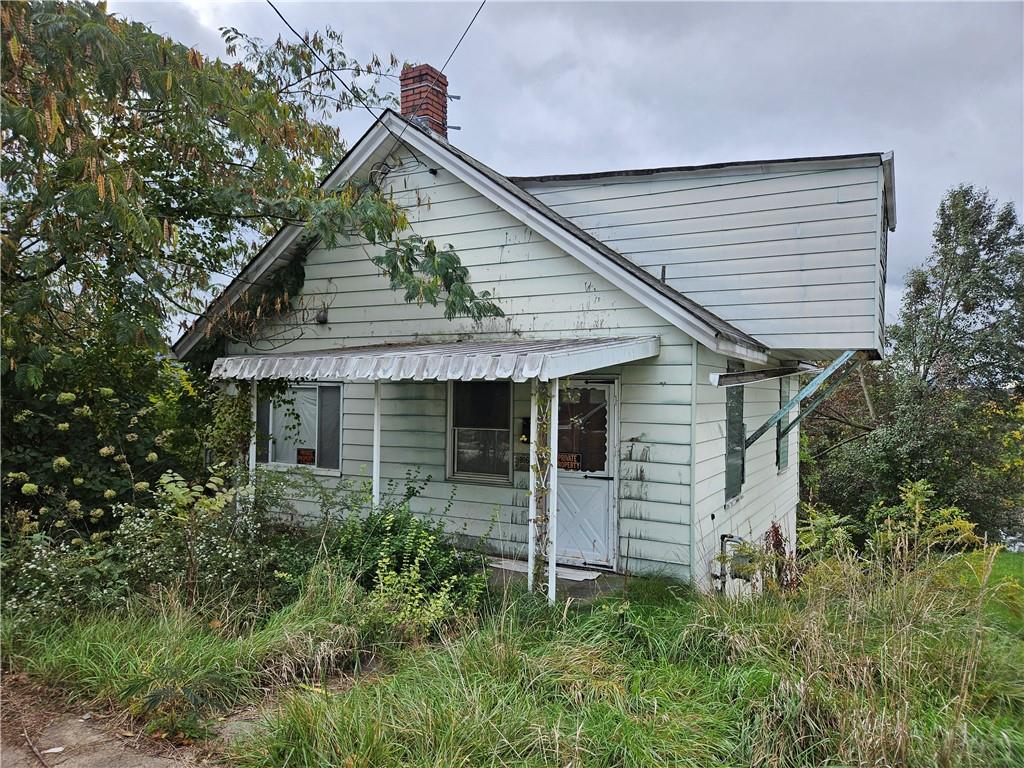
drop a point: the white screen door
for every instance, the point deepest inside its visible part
(586, 482)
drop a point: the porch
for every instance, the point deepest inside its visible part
(545, 366)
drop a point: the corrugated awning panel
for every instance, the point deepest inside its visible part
(515, 359)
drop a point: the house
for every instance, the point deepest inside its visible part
(665, 314)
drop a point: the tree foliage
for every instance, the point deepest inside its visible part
(137, 170)
(138, 173)
(962, 320)
(947, 406)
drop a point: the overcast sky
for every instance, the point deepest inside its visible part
(594, 86)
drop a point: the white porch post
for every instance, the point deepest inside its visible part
(552, 489)
(252, 441)
(376, 444)
(531, 539)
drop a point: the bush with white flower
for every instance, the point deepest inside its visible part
(85, 428)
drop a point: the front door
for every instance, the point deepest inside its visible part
(586, 482)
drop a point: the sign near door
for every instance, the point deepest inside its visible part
(570, 461)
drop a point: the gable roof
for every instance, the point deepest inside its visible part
(673, 306)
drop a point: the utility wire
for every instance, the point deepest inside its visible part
(376, 117)
(302, 38)
(443, 67)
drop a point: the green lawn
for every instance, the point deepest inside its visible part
(1008, 570)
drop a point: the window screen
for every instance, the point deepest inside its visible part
(293, 427)
(782, 442)
(734, 436)
(328, 441)
(303, 427)
(481, 429)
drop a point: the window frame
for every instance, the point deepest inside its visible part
(732, 491)
(473, 477)
(782, 441)
(273, 463)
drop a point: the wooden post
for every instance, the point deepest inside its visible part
(552, 488)
(531, 539)
(376, 444)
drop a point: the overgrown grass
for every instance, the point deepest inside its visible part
(1005, 610)
(861, 667)
(173, 666)
(867, 664)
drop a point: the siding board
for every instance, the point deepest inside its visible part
(545, 294)
(729, 238)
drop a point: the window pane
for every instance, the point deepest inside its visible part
(482, 451)
(481, 404)
(294, 427)
(329, 432)
(583, 430)
(782, 443)
(262, 429)
(733, 436)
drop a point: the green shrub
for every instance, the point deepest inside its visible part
(392, 548)
(218, 544)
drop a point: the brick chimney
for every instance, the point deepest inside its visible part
(425, 96)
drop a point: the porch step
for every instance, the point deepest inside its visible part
(565, 572)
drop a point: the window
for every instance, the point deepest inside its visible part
(735, 435)
(583, 429)
(782, 441)
(480, 430)
(301, 427)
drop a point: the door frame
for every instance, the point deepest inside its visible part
(614, 389)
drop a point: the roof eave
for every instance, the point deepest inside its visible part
(889, 179)
(272, 250)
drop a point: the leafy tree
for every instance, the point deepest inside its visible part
(946, 406)
(135, 172)
(962, 321)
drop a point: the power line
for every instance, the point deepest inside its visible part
(376, 118)
(433, 84)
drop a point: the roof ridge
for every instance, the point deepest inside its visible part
(586, 175)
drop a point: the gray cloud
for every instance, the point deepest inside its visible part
(550, 88)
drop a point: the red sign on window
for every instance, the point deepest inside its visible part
(305, 456)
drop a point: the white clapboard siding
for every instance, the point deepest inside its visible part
(544, 293)
(767, 495)
(732, 238)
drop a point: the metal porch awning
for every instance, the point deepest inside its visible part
(515, 359)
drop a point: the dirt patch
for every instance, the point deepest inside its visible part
(39, 729)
